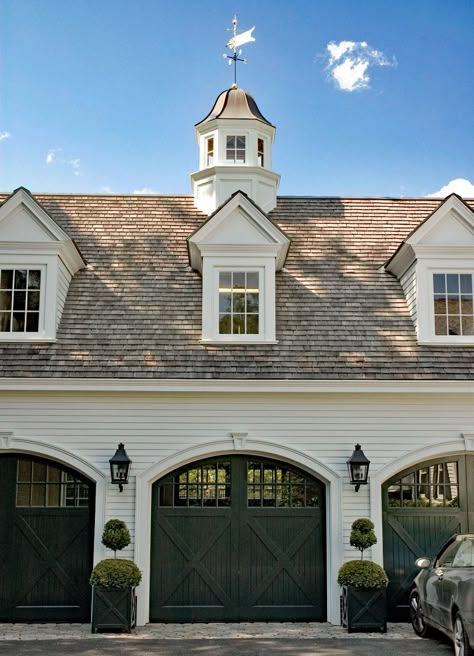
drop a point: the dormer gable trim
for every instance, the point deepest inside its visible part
(415, 244)
(57, 241)
(271, 240)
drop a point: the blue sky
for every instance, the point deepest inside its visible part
(102, 96)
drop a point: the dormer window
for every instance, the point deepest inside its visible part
(239, 302)
(235, 149)
(260, 152)
(20, 291)
(453, 304)
(210, 151)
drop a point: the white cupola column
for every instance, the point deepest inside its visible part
(235, 147)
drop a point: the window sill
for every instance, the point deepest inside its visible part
(458, 340)
(237, 342)
(21, 340)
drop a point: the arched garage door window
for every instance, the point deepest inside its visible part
(46, 541)
(238, 538)
(422, 507)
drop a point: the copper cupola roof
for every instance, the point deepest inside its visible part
(235, 103)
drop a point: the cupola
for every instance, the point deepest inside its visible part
(235, 147)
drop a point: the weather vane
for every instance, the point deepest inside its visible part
(235, 42)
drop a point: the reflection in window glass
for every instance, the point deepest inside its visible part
(235, 149)
(206, 485)
(428, 487)
(42, 484)
(272, 485)
(239, 296)
(453, 304)
(19, 300)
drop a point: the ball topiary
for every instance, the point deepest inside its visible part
(362, 535)
(116, 535)
(362, 574)
(112, 573)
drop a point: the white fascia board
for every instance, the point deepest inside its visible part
(401, 261)
(21, 197)
(107, 385)
(233, 124)
(66, 250)
(233, 170)
(275, 236)
(453, 203)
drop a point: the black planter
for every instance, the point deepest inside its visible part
(364, 610)
(113, 609)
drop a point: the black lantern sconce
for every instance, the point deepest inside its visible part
(119, 467)
(358, 466)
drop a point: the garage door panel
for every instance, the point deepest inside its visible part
(423, 507)
(48, 559)
(252, 560)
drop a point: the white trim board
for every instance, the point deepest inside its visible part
(225, 385)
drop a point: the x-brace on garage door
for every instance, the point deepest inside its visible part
(238, 538)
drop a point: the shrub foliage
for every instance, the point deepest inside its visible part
(362, 574)
(112, 573)
(362, 535)
(116, 535)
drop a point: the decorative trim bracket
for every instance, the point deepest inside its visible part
(5, 438)
(239, 440)
(468, 441)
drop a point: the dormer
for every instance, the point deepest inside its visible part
(238, 251)
(37, 262)
(235, 153)
(435, 266)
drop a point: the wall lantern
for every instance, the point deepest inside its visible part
(358, 466)
(119, 467)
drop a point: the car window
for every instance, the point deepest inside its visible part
(465, 554)
(446, 558)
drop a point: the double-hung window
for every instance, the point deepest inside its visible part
(453, 304)
(235, 149)
(20, 296)
(239, 302)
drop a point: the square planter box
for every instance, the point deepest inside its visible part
(113, 609)
(364, 610)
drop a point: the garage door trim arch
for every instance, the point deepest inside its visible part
(10, 443)
(410, 459)
(331, 478)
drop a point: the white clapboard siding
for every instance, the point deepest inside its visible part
(155, 426)
(64, 278)
(408, 282)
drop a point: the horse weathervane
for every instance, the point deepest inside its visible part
(235, 42)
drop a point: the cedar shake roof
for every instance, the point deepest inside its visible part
(135, 311)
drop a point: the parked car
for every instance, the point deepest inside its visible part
(443, 594)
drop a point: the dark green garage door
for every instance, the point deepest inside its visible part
(422, 507)
(46, 536)
(238, 539)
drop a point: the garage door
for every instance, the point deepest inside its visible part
(46, 535)
(238, 539)
(422, 507)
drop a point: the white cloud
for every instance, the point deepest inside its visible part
(106, 190)
(76, 165)
(52, 155)
(459, 186)
(145, 190)
(56, 156)
(349, 61)
(4, 135)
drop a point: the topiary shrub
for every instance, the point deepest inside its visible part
(113, 573)
(362, 574)
(362, 535)
(116, 535)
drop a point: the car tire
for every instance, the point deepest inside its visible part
(461, 641)
(417, 617)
